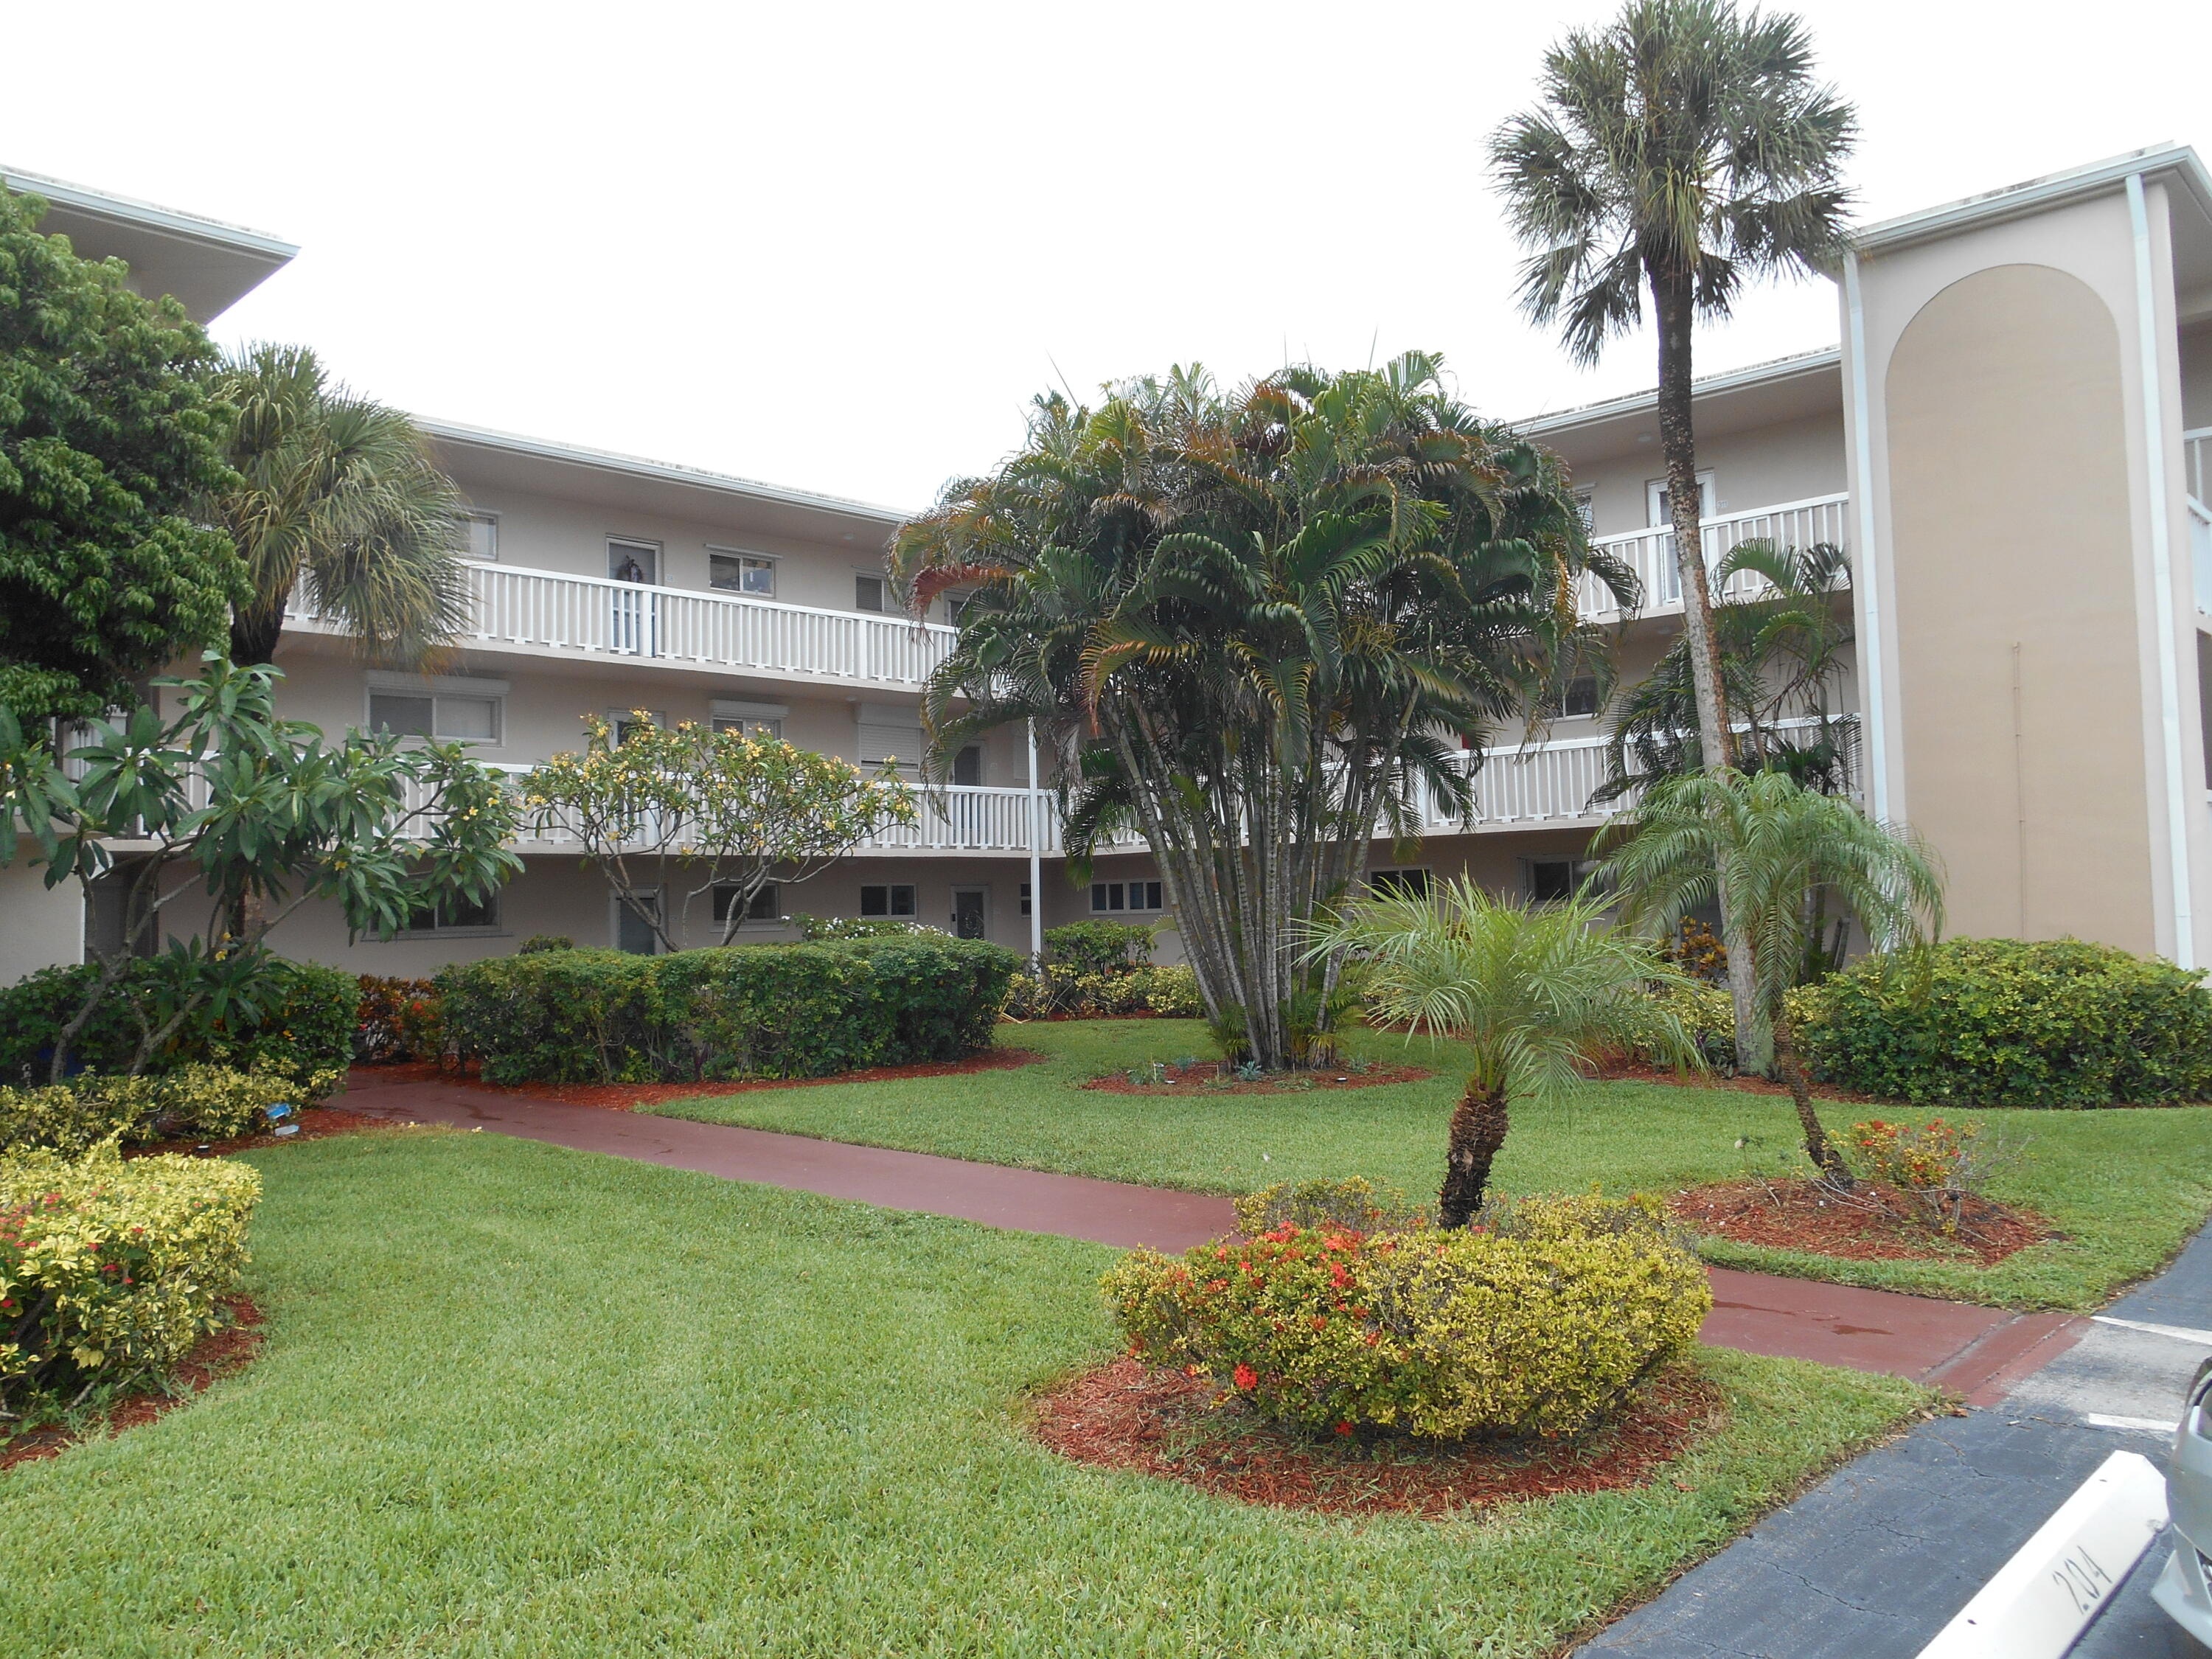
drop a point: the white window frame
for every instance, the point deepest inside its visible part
(888, 730)
(657, 556)
(754, 719)
(1709, 506)
(891, 899)
(1380, 885)
(772, 888)
(883, 589)
(474, 516)
(440, 929)
(767, 561)
(1578, 872)
(1142, 885)
(618, 717)
(382, 683)
(1586, 509)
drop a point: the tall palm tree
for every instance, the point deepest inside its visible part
(1681, 149)
(1255, 625)
(1535, 991)
(1789, 850)
(338, 499)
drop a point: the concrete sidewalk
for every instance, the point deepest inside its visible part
(1978, 1352)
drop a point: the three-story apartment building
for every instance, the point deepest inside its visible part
(2013, 442)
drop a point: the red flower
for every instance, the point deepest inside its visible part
(1245, 1376)
(1343, 1428)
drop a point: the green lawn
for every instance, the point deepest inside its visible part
(2126, 1187)
(520, 1400)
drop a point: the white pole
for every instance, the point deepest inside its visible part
(2161, 582)
(1037, 861)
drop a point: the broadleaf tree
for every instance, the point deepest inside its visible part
(218, 809)
(1677, 152)
(672, 815)
(108, 436)
(1258, 627)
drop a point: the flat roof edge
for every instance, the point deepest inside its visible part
(2033, 195)
(1729, 379)
(151, 215)
(639, 466)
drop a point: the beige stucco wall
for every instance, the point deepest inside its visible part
(38, 925)
(1990, 467)
(1789, 461)
(2015, 606)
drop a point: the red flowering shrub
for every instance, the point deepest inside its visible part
(400, 1020)
(1940, 1164)
(1536, 1323)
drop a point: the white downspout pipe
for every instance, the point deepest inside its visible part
(1037, 859)
(2161, 580)
(1866, 570)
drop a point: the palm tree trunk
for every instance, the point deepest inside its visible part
(254, 634)
(1671, 300)
(1478, 1130)
(1818, 1147)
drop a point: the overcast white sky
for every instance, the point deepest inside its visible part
(841, 246)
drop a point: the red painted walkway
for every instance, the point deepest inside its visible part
(1979, 1352)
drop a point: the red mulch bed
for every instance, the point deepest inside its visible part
(1209, 1077)
(623, 1096)
(316, 1123)
(1164, 1423)
(220, 1353)
(1875, 1223)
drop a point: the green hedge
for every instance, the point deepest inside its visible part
(1996, 1022)
(73, 1117)
(307, 1034)
(747, 1011)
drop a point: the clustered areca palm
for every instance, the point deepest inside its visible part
(1784, 650)
(336, 495)
(1680, 150)
(1257, 627)
(1535, 991)
(1791, 851)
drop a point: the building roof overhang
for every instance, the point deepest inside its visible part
(483, 457)
(207, 264)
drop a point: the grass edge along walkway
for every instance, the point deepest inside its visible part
(2126, 1187)
(1974, 1350)
(517, 1400)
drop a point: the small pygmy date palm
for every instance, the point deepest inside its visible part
(1682, 148)
(339, 493)
(1791, 853)
(1533, 990)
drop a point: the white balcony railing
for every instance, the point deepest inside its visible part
(1650, 553)
(2196, 465)
(557, 614)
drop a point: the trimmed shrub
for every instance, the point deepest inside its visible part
(1706, 1012)
(1536, 1321)
(1099, 947)
(747, 1011)
(307, 1031)
(1353, 1205)
(815, 929)
(537, 942)
(110, 1271)
(399, 1019)
(1996, 1022)
(73, 1117)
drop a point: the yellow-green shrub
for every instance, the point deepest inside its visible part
(73, 1117)
(1538, 1321)
(110, 1271)
(1704, 1011)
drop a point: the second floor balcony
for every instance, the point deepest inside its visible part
(554, 615)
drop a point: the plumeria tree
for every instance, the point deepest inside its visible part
(670, 814)
(220, 820)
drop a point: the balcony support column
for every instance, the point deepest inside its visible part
(1035, 838)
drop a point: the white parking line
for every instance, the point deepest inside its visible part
(2142, 1425)
(2178, 1333)
(2038, 1602)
